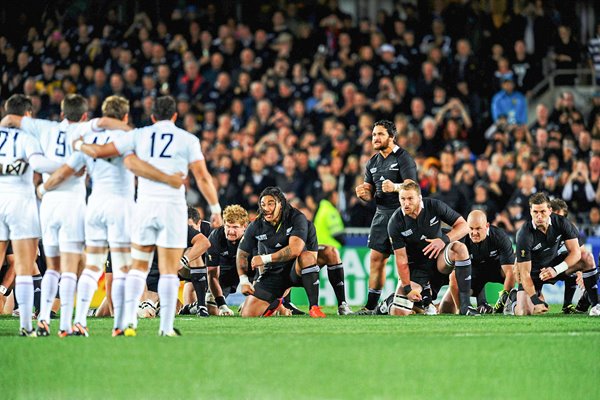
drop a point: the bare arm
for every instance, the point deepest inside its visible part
(459, 230)
(206, 186)
(509, 276)
(213, 281)
(145, 170)
(11, 121)
(98, 150)
(402, 267)
(241, 263)
(199, 246)
(58, 177)
(289, 252)
(112, 124)
(525, 274)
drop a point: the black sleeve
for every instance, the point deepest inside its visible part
(444, 212)
(407, 167)
(249, 243)
(205, 228)
(505, 248)
(569, 230)
(299, 226)
(368, 174)
(524, 240)
(394, 232)
(212, 255)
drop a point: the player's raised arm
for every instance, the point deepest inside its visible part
(207, 188)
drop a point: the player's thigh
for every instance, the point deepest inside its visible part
(254, 307)
(168, 259)
(378, 234)
(19, 218)
(119, 222)
(145, 223)
(25, 251)
(72, 226)
(272, 284)
(172, 232)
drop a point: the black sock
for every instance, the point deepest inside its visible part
(426, 297)
(584, 302)
(590, 281)
(310, 281)
(570, 287)
(37, 292)
(463, 277)
(481, 299)
(288, 297)
(335, 273)
(373, 298)
(200, 282)
(220, 300)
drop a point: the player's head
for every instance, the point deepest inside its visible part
(74, 107)
(410, 197)
(560, 207)
(539, 207)
(478, 225)
(19, 104)
(235, 221)
(384, 135)
(273, 207)
(164, 108)
(193, 217)
(116, 107)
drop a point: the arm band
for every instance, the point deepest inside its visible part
(397, 187)
(535, 299)
(406, 289)
(77, 145)
(3, 290)
(445, 239)
(244, 280)
(560, 268)
(266, 258)
(215, 208)
(41, 189)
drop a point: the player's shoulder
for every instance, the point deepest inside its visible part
(397, 215)
(205, 227)
(498, 234)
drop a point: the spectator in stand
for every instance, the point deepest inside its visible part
(510, 103)
(566, 55)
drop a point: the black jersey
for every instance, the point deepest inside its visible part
(494, 251)
(540, 248)
(397, 167)
(222, 252)
(411, 233)
(267, 239)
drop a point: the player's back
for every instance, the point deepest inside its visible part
(16, 146)
(108, 176)
(55, 139)
(169, 149)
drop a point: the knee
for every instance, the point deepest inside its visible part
(459, 251)
(377, 258)
(331, 256)
(307, 259)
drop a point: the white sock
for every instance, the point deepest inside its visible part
(49, 289)
(168, 286)
(68, 284)
(24, 296)
(118, 301)
(134, 289)
(86, 287)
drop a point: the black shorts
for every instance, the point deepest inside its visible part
(378, 236)
(483, 275)
(272, 283)
(152, 280)
(427, 274)
(229, 280)
(535, 274)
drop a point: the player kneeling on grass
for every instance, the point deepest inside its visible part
(280, 234)
(223, 277)
(492, 260)
(421, 249)
(539, 261)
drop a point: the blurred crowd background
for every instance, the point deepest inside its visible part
(286, 92)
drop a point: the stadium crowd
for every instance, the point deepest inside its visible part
(291, 96)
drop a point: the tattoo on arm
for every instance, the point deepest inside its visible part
(284, 254)
(241, 262)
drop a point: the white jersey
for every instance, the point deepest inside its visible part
(55, 139)
(108, 176)
(166, 147)
(16, 144)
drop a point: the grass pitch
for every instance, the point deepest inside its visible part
(439, 357)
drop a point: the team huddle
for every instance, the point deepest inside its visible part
(155, 240)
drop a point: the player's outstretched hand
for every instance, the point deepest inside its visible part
(216, 220)
(547, 273)
(433, 249)
(540, 309)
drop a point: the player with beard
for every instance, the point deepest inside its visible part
(492, 260)
(423, 251)
(539, 261)
(385, 171)
(287, 255)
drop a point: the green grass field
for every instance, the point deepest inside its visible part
(440, 357)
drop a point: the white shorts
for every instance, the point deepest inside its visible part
(62, 221)
(160, 223)
(18, 217)
(108, 219)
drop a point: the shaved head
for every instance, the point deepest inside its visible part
(478, 226)
(477, 216)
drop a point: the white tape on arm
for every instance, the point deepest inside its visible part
(560, 268)
(266, 258)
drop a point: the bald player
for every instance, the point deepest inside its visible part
(492, 259)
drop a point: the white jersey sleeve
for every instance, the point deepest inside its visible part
(39, 128)
(195, 153)
(16, 147)
(125, 143)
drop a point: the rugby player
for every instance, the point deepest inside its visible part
(287, 254)
(492, 260)
(387, 169)
(538, 258)
(160, 212)
(423, 251)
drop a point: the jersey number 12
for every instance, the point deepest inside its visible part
(165, 137)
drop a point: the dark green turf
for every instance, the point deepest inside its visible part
(418, 357)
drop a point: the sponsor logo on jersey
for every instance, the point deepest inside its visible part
(558, 237)
(289, 230)
(423, 237)
(225, 253)
(537, 246)
(433, 221)
(493, 253)
(278, 245)
(261, 237)
(373, 170)
(407, 233)
(394, 167)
